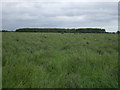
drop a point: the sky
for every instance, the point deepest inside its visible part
(60, 15)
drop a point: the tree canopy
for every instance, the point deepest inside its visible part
(62, 30)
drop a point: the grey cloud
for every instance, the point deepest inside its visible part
(47, 14)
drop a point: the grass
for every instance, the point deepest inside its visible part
(0, 60)
(54, 60)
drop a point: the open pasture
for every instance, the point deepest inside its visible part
(55, 60)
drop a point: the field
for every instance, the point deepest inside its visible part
(55, 60)
(0, 60)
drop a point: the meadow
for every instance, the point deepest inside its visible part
(55, 60)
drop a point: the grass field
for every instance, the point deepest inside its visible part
(0, 60)
(51, 60)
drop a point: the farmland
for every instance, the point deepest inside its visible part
(55, 60)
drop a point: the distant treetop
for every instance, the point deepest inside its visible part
(62, 30)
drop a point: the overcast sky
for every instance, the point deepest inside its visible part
(60, 14)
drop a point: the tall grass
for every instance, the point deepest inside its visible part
(0, 60)
(42, 60)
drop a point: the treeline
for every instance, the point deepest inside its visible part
(4, 31)
(62, 30)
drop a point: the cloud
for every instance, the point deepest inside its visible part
(60, 1)
(59, 14)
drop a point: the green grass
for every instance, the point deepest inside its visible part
(0, 60)
(53, 60)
